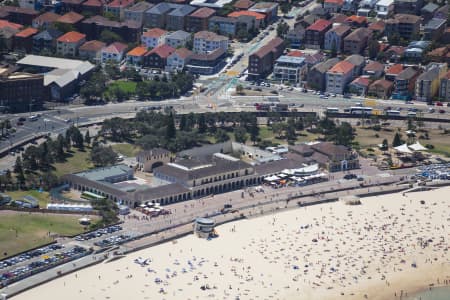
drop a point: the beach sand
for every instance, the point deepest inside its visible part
(389, 246)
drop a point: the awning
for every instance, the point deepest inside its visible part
(403, 148)
(417, 147)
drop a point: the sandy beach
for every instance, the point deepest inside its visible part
(390, 246)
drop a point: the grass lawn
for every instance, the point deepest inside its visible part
(266, 133)
(43, 197)
(126, 86)
(126, 149)
(32, 230)
(76, 161)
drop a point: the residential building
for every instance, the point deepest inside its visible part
(393, 71)
(296, 36)
(405, 83)
(339, 76)
(46, 41)
(199, 19)
(356, 41)
(68, 44)
(334, 38)
(434, 29)
(359, 86)
(290, 69)
(350, 6)
(374, 70)
(177, 61)
(136, 13)
(408, 6)
(91, 50)
(154, 37)
(23, 40)
(403, 25)
(269, 9)
(7, 37)
(19, 15)
(384, 8)
(317, 74)
(94, 26)
(94, 7)
(333, 6)
(18, 89)
(338, 157)
(62, 77)
(356, 21)
(315, 34)
(381, 89)
(207, 41)
(377, 27)
(442, 12)
(427, 83)
(157, 57)
(178, 39)
(115, 52)
(427, 12)
(176, 19)
(157, 15)
(136, 55)
(358, 61)
(444, 89)
(207, 64)
(260, 63)
(117, 7)
(368, 4)
(438, 54)
(214, 4)
(243, 4)
(71, 5)
(223, 25)
(394, 53)
(45, 20)
(71, 18)
(258, 19)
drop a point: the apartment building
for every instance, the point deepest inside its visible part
(261, 62)
(339, 76)
(68, 44)
(290, 69)
(427, 83)
(315, 34)
(207, 41)
(334, 38)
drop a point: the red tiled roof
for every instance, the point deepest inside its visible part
(70, 18)
(209, 35)
(237, 14)
(27, 32)
(374, 66)
(183, 52)
(361, 81)
(295, 53)
(356, 19)
(137, 51)
(71, 37)
(342, 67)
(47, 17)
(386, 84)
(243, 4)
(120, 3)
(269, 47)
(395, 69)
(203, 12)
(319, 25)
(154, 32)
(4, 23)
(94, 3)
(338, 2)
(162, 51)
(116, 48)
(93, 45)
(377, 26)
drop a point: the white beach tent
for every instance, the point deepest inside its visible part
(403, 149)
(417, 147)
(272, 178)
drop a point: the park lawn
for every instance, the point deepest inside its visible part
(76, 161)
(32, 230)
(126, 149)
(43, 197)
(126, 86)
(367, 137)
(266, 133)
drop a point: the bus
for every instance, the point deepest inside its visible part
(91, 196)
(357, 110)
(332, 110)
(262, 106)
(392, 113)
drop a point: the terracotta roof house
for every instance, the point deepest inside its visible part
(207, 41)
(334, 38)
(295, 53)
(178, 60)
(403, 25)
(377, 27)
(154, 37)
(356, 21)
(261, 62)
(199, 19)
(259, 18)
(356, 41)
(317, 74)
(358, 61)
(136, 55)
(114, 52)
(395, 53)
(333, 6)
(438, 54)
(374, 69)
(393, 71)
(157, 57)
(23, 40)
(338, 19)
(45, 20)
(4, 24)
(68, 44)
(315, 34)
(381, 89)
(71, 18)
(269, 9)
(46, 40)
(243, 4)
(339, 76)
(91, 50)
(359, 86)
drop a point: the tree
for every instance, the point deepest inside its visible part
(344, 134)
(170, 128)
(221, 136)
(282, 29)
(374, 48)
(63, 27)
(290, 130)
(60, 144)
(397, 140)
(87, 138)
(240, 134)
(239, 89)
(384, 145)
(108, 37)
(277, 129)
(103, 156)
(202, 124)
(183, 123)
(253, 130)
(94, 87)
(18, 165)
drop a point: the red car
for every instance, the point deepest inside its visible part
(441, 111)
(439, 104)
